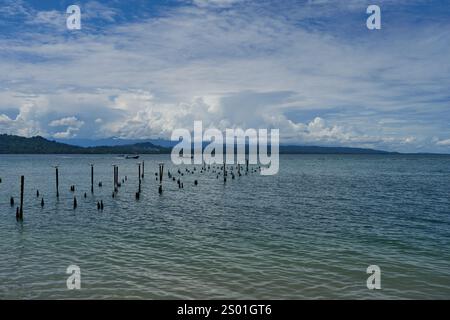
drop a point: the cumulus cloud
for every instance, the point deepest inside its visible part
(20, 126)
(149, 119)
(69, 133)
(68, 121)
(27, 122)
(72, 125)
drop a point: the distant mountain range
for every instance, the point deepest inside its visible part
(329, 150)
(10, 144)
(115, 141)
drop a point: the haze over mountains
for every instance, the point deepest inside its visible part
(11, 144)
(114, 141)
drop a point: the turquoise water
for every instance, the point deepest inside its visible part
(309, 232)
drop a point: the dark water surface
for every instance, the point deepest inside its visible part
(309, 232)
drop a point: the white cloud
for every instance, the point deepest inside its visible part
(220, 3)
(29, 110)
(53, 18)
(98, 10)
(68, 121)
(13, 8)
(73, 126)
(68, 133)
(443, 142)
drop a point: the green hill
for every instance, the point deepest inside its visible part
(10, 144)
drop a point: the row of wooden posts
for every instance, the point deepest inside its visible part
(117, 184)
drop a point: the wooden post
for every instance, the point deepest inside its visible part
(246, 165)
(115, 177)
(92, 178)
(143, 169)
(57, 182)
(139, 176)
(161, 174)
(22, 183)
(224, 173)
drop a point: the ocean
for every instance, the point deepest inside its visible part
(309, 232)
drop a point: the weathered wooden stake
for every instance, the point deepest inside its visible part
(139, 176)
(143, 169)
(161, 174)
(114, 176)
(57, 182)
(22, 185)
(92, 178)
(117, 177)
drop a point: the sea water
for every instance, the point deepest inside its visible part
(309, 232)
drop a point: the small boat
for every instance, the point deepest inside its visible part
(132, 157)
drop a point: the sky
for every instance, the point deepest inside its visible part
(311, 68)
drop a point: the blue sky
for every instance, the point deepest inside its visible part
(140, 69)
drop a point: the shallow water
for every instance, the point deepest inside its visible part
(309, 232)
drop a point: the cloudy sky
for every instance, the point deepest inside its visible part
(140, 69)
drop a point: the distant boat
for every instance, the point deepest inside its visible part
(132, 157)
